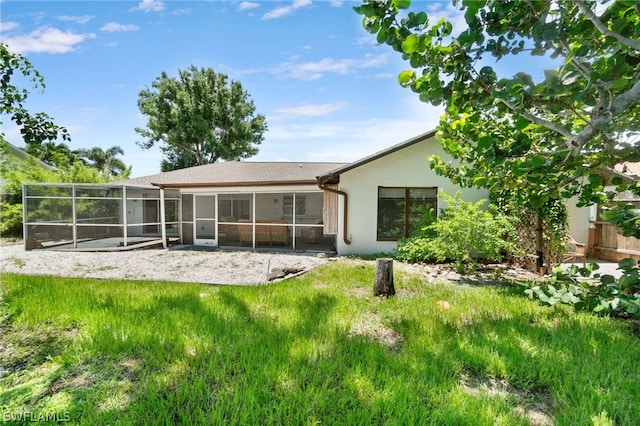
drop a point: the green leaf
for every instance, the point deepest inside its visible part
(627, 264)
(607, 279)
(410, 44)
(479, 181)
(485, 142)
(538, 161)
(521, 123)
(405, 77)
(401, 4)
(595, 179)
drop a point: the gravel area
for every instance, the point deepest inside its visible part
(175, 264)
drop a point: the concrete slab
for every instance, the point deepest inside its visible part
(606, 267)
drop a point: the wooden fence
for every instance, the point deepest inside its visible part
(609, 244)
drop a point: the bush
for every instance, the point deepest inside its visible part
(585, 289)
(10, 219)
(462, 234)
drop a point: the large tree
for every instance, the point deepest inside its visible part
(38, 130)
(199, 118)
(545, 138)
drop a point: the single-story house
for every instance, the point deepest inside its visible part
(352, 208)
(359, 207)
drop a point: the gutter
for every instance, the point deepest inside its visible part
(321, 181)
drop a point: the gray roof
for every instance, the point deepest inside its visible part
(238, 173)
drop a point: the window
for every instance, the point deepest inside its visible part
(301, 205)
(237, 206)
(402, 210)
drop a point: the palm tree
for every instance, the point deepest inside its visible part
(105, 160)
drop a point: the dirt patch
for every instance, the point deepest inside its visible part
(536, 407)
(80, 378)
(403, 292)
(372, 327)
(360, 292)
(484, 274)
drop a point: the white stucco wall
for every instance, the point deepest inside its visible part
(407, 167)
(578, 220)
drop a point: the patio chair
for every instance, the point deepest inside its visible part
(230, 231)
(312, 235)
(575, 250)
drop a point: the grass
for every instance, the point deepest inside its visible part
(315, 349)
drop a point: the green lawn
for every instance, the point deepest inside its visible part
(318, 349)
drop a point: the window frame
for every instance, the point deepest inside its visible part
(299, 209)
(407, 208)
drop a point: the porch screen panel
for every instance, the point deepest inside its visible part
(49, 215)
(234, 207)
(52, 210)
(171, 211)
(205, 217)
(187, 219)
(269, 208)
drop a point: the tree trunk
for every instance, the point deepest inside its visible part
(539, 245)
(383, 285)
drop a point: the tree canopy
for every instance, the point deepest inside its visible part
(106, 161)
(38, 130)
(546, 138)
(199, 118)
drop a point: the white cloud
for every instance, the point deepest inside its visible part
(182, 12)
(326, 139)
(150, 6)
(113, 27)
(247, 5)
(77, 19)
(317, 70)
(46, 40)
(307, 111)
(336, 3)
(436, 11)
(8, 25)
(279, 12)
(339, 140)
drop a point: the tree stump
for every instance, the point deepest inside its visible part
(383, 285)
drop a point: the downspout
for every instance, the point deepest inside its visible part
(322, 185)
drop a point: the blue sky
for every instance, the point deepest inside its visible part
(328, 91)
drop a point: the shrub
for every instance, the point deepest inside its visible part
(585, 289)
(461, 234)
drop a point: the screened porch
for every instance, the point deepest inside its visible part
(120, 217)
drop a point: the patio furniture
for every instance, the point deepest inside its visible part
(266, 233)
(230, 231)
(313, 235)
(575, 250)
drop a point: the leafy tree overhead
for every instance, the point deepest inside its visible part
(199, 118)
(546, 138)
(105, 161)
(38, 130)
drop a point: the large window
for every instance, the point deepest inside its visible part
(402, 210)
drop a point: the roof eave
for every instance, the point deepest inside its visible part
(233, 184)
